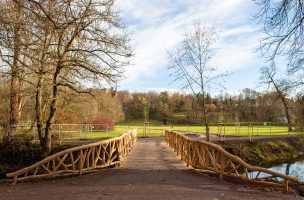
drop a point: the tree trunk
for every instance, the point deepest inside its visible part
(47, 143)
(38, 109)
(206, 120)
(281, 95)
(15, 76)
(14, 104)
(44, 139)
(207, 132)
(287, 114)
(287, 170)
(283, 99)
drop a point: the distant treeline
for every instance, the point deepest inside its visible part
(178, 108)
(170, 108)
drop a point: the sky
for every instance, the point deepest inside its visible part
(158, 26)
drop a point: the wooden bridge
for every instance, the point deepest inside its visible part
(150, 156)
(80, 159)
(208, 156)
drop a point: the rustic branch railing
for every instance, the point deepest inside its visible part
(80, 159)
(208, 156)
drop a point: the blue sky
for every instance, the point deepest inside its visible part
(157, 25)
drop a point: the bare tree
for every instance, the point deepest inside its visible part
(284, 27)
(189, 64)
(4, 107)
(281, 87)
(72, 45)
(12, 42)
(89, 45)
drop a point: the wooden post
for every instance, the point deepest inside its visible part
(80, 163)
(222, 166)
(59, 130)
(118, 151)
(146, 125)
(285, 184)
(224, 132)
(15, 180)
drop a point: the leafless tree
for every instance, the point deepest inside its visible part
(72, 45)
(284, 27)
(189, 64)
(281, 86)
(89, 46)
(12, 44)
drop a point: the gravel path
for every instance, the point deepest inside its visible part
(151, 171)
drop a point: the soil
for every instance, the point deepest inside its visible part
(151, 171)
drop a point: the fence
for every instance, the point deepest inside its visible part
(66, 131)
(84, 131)
(80, 159)
(207, 156)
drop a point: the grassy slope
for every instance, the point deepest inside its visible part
(267, 153)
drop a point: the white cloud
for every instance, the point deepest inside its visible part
(238, 52)
(238, 31)
(158, 25)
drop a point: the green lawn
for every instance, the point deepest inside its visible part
(158, 130)
(154, 131)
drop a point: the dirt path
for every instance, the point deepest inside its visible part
(151, 171)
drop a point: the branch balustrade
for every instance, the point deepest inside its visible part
(80, 159)
(208, 156)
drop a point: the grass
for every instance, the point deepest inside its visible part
(156, 128)
(154, 131)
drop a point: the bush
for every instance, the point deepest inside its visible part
(15, 150)
(103, 123)
(18, 151)
(56, 139)
(299, 128)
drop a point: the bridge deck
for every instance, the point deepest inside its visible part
(152, 154)
(151, 171)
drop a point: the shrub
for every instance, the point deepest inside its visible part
(103, 123)
(19, 151)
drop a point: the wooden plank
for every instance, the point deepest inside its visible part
(257, 176)
(234, 169)
(44, 167)
(73, 161)
(88, 156)
(60, 163)
(80, 162)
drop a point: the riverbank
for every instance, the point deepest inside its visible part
(270, 153)
(266, 153)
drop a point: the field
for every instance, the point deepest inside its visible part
(154, 131)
